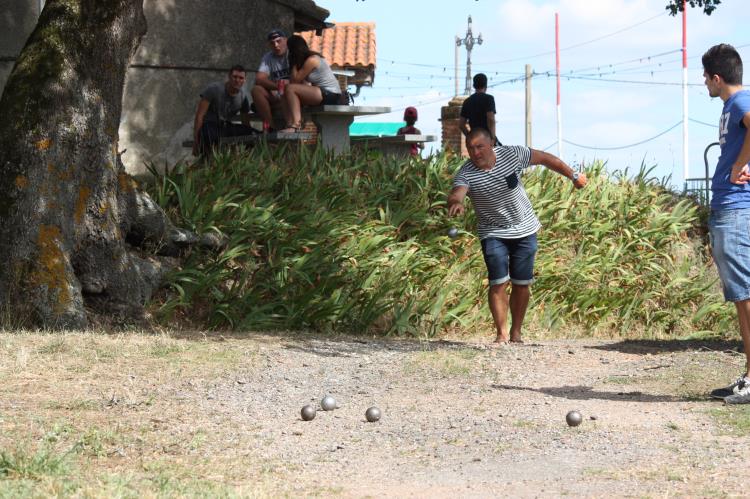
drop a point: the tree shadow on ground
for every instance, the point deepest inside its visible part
(667, 346)
(588, 393)
(347, 346)
(334, 345)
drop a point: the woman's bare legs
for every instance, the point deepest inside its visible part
(297, 95)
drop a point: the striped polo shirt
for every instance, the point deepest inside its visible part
(502, 206)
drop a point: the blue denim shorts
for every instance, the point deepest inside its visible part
(730, 245)
(510, 259)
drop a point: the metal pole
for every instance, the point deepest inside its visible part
(528, 105)
(458, 44)
(557, 70)
(685, 119)
(468, 41)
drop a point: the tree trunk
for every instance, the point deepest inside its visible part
(64, 195)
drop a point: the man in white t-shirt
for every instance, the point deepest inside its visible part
(506, 223)
(274, 68)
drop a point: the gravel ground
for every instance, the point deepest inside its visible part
(461, 419)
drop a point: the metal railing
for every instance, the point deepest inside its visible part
(700, 187)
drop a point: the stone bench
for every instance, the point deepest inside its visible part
(396, 145)
(256, 138)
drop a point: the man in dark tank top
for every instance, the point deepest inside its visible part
(478, 111)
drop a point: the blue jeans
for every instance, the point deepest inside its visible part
(510, 259)
(729, 231)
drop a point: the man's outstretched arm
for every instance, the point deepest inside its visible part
(558, 166)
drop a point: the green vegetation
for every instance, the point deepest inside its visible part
(358, 243)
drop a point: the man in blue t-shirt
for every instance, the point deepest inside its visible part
(729, 223)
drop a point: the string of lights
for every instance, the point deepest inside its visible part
(616, 148)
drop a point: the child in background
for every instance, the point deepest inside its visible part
(410, 117)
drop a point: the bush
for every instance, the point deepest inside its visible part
(358, 243)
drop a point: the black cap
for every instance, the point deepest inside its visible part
(276, 33)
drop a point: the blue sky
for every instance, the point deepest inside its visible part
(622, 60)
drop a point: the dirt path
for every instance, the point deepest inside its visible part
(458, 419)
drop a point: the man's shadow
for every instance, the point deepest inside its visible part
(588, 393)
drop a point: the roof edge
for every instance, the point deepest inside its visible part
(311, 15)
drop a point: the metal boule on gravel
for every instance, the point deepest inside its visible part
(372, 414)
(328, 403)
(573, 418)
(308, 413)
(453, 232)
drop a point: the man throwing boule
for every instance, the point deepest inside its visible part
(507, 225)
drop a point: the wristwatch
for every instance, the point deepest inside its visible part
(575, 176)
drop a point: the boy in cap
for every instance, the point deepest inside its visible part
(274, 68)
(410, 117)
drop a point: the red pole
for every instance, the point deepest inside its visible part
(685, 119)
(684, 34)
(557, 54)
(557, 70)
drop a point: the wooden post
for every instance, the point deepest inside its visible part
(528, 105)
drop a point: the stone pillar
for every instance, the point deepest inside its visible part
(453, 139)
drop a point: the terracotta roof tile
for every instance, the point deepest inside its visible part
(346, 45)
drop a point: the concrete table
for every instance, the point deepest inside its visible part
(333, 123)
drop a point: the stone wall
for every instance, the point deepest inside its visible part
(189, 44)
(17, 21)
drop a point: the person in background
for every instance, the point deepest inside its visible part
(729, 221)
(311, 83)
(219, 103)
(410, 117)
(272, 75)
(507, 225)
(478, 110)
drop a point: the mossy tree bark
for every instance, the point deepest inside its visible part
(65, 198)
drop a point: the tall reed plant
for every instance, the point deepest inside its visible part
(358, 243)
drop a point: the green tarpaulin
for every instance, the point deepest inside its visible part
(374, 128)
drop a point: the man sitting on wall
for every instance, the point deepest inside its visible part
(219, 103)
(272, 75)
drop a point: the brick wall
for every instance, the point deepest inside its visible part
(453, 139)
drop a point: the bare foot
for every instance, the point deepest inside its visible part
(499, 341)
(517, 339)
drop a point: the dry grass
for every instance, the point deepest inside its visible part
(100, 415)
